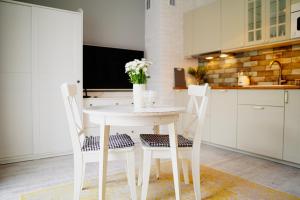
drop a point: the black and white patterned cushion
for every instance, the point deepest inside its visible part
(155, 140)
(92, 143)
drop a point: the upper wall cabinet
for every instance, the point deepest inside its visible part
(202, 28)
(228, 25)
(267, 21)
(255, 22)
(278, 20)
(232, 24)
(207, 25)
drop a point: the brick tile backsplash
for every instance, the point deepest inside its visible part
(255, 64)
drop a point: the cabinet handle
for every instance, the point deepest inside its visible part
(258, 107)
(223, 90)
(286, 97)
(78, 81)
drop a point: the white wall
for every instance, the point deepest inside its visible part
(111, 23)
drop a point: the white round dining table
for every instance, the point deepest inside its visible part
(127, 115)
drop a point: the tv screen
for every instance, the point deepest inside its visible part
(104, 68)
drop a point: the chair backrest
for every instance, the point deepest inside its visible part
(69, 92)
(194, 117)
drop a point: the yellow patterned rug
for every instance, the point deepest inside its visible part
(215, 185)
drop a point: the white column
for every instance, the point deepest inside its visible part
(164, 45)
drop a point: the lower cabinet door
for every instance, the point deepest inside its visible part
(292, 127)
(260, 130)
(223, 117)
(16, 115)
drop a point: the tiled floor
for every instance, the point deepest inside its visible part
(26, 176)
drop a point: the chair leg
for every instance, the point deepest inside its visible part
(146, 172)
(157, 165)
(185, 169)
(196, 174)
(131, 174)
(78, 165)
(156, 130)
(82, 176)
(140, 176)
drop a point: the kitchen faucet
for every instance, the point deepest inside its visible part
(280, 80)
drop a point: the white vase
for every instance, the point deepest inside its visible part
(138, 95)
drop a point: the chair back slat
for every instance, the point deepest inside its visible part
(194, 117)
(197, 90)
(69, 92)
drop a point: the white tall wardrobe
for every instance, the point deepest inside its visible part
(40, 48)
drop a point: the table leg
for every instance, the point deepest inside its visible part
(157, 160)
(104, 138)
(174, 156)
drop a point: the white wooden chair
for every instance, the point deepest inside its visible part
(86, 148)
(157, 146)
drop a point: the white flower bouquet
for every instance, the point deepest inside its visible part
(138, 71)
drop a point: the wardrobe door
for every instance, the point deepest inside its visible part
(15, 81)
(57, 58)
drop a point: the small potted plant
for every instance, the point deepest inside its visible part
(137, 71)
(198, 73)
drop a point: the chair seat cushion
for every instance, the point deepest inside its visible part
(155, 140)
(92, 143)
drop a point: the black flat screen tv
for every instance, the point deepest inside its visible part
(104, 68)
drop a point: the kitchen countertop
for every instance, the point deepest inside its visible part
(250, 87)
(257, 87)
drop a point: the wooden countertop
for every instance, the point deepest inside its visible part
(180, 88)
(257, 87)
(250, 87)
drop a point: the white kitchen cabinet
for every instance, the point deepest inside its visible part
(278, 20)
(188, 33)
(260, 130)
(261, 97)
(232, 24)
(14, 42)
(255, 19)
(223, 117)
(292, 127)
(207, 28)
(57, 59)
(267, 21)
(15, 81)
(41, 48)
(16, 115)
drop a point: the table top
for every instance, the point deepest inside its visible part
(129, 110)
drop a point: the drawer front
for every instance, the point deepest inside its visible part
(107, 102)
(261, 97)
(260, 130)
(102, 102)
